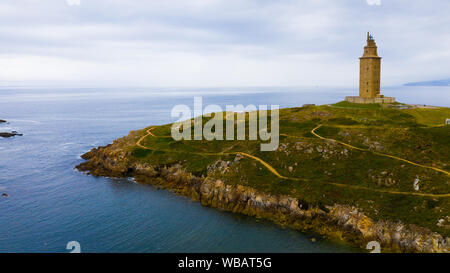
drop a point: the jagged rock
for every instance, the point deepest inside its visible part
(13, 133)
(219, 166)
(144, 169)
(282, 147)
(444, 222)
(238, 157)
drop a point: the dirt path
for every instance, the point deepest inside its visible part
(377, 153)
(265, 164)
(275, 172)
(149, 133)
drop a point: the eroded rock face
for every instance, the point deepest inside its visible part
(111, 160)
(395, 235)
(106, 161)
(338, 221)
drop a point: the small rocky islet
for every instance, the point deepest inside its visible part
(8, 134)
(352, 195)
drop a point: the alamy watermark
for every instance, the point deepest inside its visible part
(213, 129)
(374, 246)
(74, 247)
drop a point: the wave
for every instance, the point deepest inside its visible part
(24, 120)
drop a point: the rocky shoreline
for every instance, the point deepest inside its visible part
(337, 222)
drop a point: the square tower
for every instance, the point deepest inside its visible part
(369, 76)
(369, 70)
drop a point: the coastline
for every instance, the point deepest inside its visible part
(341, 223)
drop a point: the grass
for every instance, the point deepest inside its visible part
(318, 163)
(429, 116)
(346, 104)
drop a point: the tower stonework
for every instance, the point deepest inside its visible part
(370, 76)
(369, 70)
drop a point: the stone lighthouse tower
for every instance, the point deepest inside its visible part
(369, 76)
(369, 70)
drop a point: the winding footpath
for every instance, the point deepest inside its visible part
(265, 164)
(377, 153)
(275, 172)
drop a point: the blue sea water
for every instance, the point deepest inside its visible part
(50, 203)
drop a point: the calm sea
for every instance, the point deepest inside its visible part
(50, 203)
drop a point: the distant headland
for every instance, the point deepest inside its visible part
(445, 82)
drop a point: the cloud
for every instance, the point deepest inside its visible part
(219, 42)
(374, 2)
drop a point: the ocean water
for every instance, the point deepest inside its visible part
(50, 203)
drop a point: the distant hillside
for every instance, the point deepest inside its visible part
(430, 83)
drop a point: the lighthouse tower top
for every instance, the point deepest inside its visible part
(370, 50)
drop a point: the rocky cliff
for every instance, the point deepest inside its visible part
(340, 222)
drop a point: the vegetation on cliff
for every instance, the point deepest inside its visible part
(367, 174)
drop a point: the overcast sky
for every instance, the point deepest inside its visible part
(196, 43)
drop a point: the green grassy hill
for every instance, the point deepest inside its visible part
(326, 172)
(391, 164)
